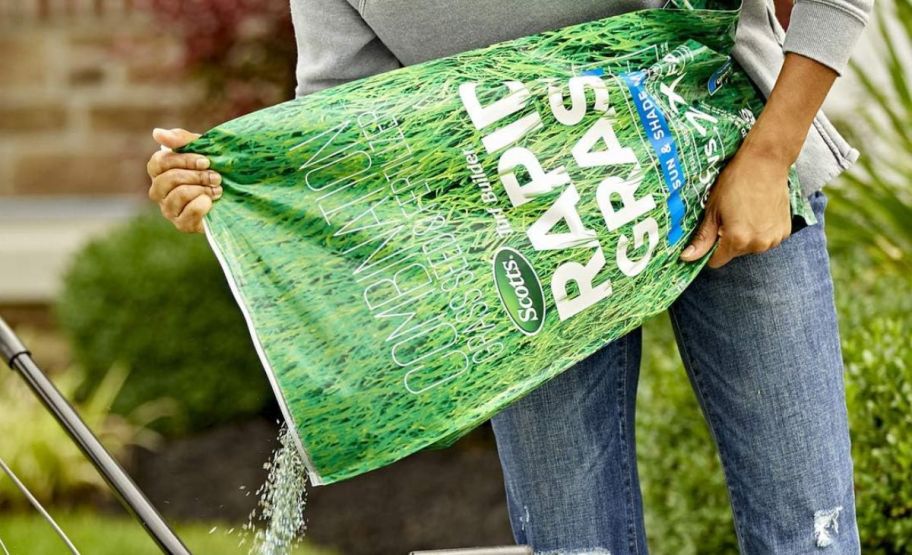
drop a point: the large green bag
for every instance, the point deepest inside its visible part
(416, 250)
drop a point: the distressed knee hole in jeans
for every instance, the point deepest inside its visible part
(826, 526)
(587, 551)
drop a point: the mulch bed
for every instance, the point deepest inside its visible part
(432, 500)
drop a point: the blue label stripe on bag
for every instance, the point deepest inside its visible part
(666, 149)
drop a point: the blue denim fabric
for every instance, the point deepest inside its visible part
(760, 344)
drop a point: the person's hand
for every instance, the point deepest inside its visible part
(182, 184)
(748, 209)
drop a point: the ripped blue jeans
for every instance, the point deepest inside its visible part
(759, 341)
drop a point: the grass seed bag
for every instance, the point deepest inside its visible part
(416, 250)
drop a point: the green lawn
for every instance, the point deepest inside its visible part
(98, 534)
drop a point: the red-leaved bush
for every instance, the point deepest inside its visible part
(242, 50)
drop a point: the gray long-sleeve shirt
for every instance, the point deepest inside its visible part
(343, 40)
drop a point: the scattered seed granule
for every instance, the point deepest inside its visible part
(278, 523)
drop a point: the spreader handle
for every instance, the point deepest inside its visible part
(10, 345)
(18, 358)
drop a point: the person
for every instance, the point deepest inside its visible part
(757, 330)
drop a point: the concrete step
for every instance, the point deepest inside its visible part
(40, 235)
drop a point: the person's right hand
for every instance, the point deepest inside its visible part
(182, 184)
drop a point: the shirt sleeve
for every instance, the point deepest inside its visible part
(827, 30)
(335, 45)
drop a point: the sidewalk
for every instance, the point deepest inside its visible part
(39, 235)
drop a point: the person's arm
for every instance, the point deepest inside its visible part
(748, 209)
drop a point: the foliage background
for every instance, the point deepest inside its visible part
(242, 53)
(156, 301)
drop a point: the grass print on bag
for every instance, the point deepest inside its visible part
(416, 250)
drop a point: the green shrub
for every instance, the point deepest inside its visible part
(866, 291)
(875, 318)
(41, 454)
(879, 397)
(155, 301)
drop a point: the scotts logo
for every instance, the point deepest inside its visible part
(520, 291)
(717, 79)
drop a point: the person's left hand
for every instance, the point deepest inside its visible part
(748, 208)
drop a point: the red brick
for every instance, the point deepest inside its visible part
(32, 118)
(131, 43)
(156, 73)
(131, 118)
(73, 173)
(95, 37)
(23, 60)
(87, 76)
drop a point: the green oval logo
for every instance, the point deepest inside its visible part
(520, 290)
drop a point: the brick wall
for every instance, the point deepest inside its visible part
(82, 83)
